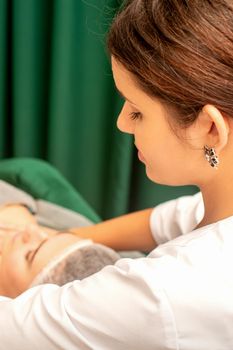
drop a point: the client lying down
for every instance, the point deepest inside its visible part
(31, 255)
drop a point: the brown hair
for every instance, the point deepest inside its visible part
(180, 51)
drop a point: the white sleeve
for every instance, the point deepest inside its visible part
(176, 217)
(120, 307)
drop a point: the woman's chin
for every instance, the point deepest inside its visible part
(162, 179)
(151, 175)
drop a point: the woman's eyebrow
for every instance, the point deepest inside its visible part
(41, 244)
(37, 249)
(123, 96)
(45, 240)
(63, 232)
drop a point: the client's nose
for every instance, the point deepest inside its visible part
(26, 236)
(32, 233)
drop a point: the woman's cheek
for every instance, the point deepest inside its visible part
(16, 270)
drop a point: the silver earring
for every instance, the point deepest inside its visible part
(211, 156)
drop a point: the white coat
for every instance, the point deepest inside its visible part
(178, 297)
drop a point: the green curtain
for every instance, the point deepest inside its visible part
(58, 102)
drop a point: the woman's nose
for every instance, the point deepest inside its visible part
(32, 233)
(124, 122)
(25, 236)
(28, 234)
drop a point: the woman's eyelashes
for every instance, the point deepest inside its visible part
(32, 253)
(29, 255)
(135, 115)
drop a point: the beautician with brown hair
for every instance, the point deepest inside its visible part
(172, 60)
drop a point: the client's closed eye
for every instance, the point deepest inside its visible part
(32, 253)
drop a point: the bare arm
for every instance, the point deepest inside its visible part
(127, 232)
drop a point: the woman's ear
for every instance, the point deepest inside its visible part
(212, 128)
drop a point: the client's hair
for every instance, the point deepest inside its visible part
(75, 263)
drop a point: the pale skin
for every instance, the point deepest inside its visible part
(169, 160)
(26, 248)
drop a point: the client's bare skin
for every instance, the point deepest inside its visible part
(25, 248)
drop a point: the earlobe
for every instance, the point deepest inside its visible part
(218, 132)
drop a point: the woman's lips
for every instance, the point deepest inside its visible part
(140, 156)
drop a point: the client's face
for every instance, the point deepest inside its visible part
(24, 254)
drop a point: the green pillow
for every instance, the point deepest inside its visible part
(43, 181)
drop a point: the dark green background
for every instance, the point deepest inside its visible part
(58, 102)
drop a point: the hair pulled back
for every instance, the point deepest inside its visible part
(180, 51)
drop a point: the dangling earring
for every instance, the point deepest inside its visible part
(211, 156)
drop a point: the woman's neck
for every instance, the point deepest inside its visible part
(218, 201)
